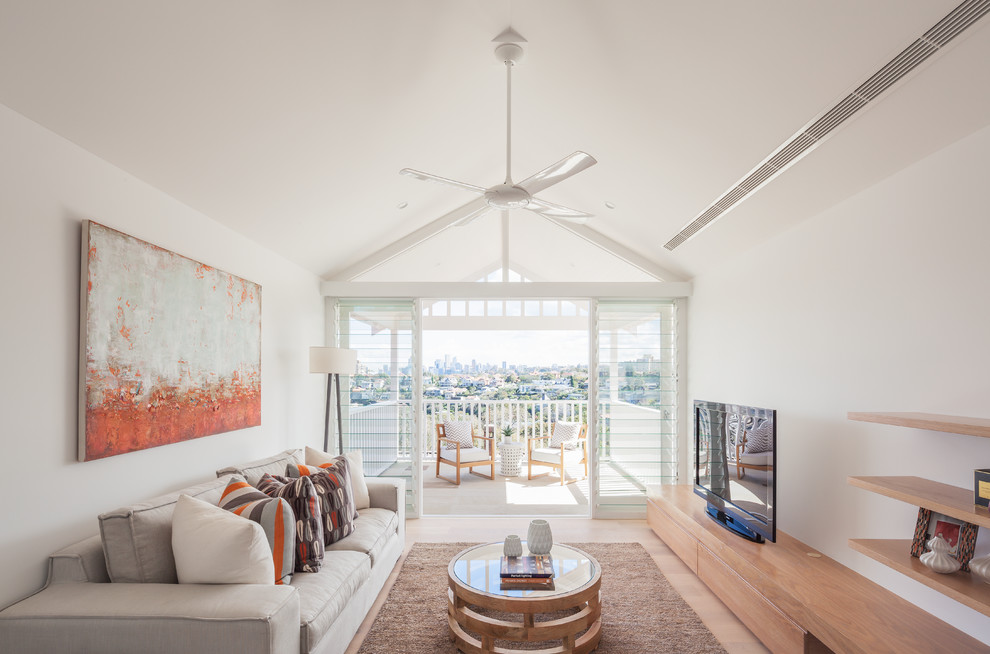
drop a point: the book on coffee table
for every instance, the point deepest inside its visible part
(527, 583)
(527, 567)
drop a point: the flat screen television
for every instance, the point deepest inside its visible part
(735, 465)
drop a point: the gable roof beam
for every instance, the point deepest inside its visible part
(618, 250)
(502, 290)
(405, 243)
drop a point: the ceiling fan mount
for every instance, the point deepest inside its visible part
(507, 196)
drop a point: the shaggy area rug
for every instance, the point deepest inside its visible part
(641, 612)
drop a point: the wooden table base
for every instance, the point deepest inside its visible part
(460, 616)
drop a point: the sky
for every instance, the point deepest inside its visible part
(529, 348)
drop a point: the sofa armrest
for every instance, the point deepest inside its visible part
(387, 493)
(154, 618)
(82, 561)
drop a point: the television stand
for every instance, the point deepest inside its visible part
(732, 524)
(792, 597)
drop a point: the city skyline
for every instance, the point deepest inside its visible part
(515, 348)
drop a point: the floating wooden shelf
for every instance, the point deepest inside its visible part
(943, 498)
(960, 586)
(930, 421)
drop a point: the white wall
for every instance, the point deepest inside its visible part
(881, 303)
(47, 187)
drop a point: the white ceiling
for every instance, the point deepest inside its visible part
(289, 121)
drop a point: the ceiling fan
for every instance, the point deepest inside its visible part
(508, 195)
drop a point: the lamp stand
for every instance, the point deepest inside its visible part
(331, 377)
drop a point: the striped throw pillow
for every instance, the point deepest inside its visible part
(301, 496)
(273, 514)
(566, 434)
(459, 431)
(333, 484)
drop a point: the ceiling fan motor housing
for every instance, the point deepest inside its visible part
(506, 196)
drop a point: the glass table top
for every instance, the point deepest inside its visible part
(479, 569)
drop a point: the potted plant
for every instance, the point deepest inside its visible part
(507, 433)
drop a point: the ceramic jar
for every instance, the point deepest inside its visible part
(939, 559)
(981, 568)
(512, 546)
(539, 538)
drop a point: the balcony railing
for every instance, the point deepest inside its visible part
(640, 440)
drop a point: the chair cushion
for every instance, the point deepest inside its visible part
(333, 485)
(759, 459)
(468, 454)
(459, 431)
(760, 439)
(252, 471)
(305, 502)
(371, 531)
(566, 434)
(137, 539)
(552, 455)
(273, 514)
(324, 595)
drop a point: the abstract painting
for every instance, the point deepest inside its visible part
(170, 348)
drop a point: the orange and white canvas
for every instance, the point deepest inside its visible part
(170, 347)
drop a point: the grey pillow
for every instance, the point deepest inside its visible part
(760, 439)
(253, 471)
(137, 539)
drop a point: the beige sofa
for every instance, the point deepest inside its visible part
(143, 609)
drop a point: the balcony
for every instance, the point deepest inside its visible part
(636, 448)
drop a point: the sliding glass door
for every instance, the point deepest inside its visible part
(381, 402)
(635, 400)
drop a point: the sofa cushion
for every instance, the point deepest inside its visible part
(137, 539)
(371, 532)
(302, 497)
(273, 514)
(359, 487)
(213, 546)
(333, 485)
(252, 471)
(324, 595)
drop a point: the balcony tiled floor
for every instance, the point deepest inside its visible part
(543, 495)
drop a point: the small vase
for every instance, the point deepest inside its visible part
(539, 538)
(939, 558)
(512, 546)
(981, 568)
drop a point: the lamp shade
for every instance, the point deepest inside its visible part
(332, 360)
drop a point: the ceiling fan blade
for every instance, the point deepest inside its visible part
(427, 177)
(545, 208)
(558, 172)
(470, 212)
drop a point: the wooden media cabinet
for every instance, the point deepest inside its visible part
(792, 597)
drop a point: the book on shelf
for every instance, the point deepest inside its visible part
(527, 583)
(527, 567)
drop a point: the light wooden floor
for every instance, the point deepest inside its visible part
(735, 637)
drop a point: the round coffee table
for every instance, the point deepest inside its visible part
(474, 582)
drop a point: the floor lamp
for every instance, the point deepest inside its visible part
(333, 362)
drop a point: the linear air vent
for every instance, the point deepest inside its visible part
(819, 129)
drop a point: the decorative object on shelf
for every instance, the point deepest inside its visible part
(981, 487)
(940, 558)
(981, 568)
(960, 536)
(512, 546)
(333, 362)
(539, 538)
(508, 431)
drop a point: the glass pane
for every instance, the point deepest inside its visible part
(377, 402)
(637, 401)
(495, 307)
